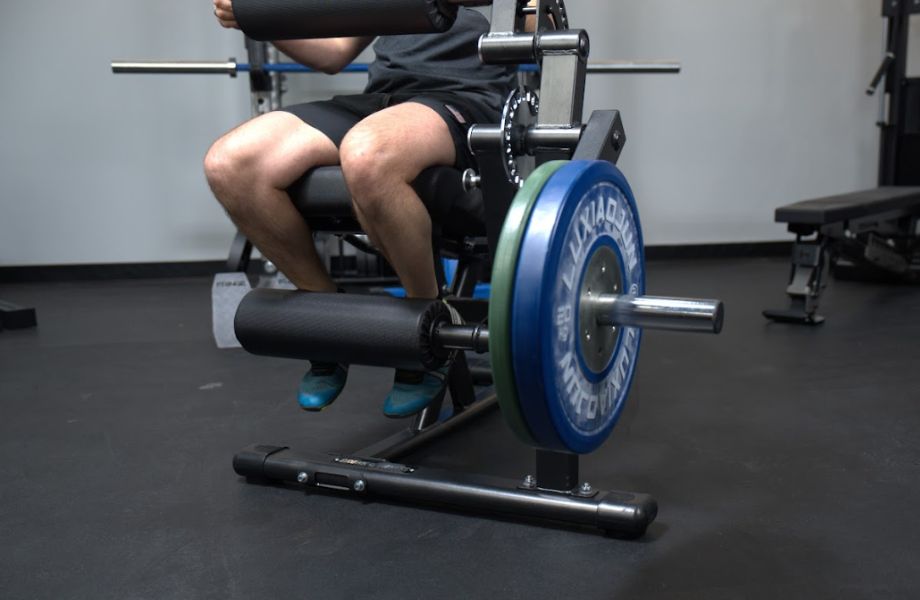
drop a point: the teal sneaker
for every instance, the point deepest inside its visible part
(321, 385)
(413, 391)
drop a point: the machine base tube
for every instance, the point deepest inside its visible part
(615, 512)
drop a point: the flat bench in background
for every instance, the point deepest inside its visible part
(855, 205)
(869, 234)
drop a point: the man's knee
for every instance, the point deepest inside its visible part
(228, 164)
(235, 168)
(270, 151)
(369, 162)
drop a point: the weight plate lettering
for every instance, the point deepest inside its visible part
(584, 217)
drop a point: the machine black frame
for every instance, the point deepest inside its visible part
(553, 492)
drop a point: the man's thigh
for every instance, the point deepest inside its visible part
(459, 114)
(280, 147)
(408, 137)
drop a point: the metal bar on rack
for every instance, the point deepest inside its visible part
(231, 67)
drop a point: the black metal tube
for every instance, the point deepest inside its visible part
(507, 49)
(565, 138)
(527, 47)
(406, 441)
(621, 512)
(463, 337)
(882, 69)
(484, 137)
(481, 137)
(571, 41)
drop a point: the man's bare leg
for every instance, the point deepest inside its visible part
(380, 157)
(249, 171)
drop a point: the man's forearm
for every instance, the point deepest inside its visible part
(328, 55)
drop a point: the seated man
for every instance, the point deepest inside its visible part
(422, 94)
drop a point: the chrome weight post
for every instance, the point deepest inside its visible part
(608, 312)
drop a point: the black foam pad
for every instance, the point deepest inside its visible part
(323, 199)
(268, 20)
(344, 328)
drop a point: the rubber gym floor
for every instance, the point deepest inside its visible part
(785, 460)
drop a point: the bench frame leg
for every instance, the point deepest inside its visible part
(806, 282)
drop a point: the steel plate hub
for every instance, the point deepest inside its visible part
(602, 276)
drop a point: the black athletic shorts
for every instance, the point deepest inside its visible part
(337, 116)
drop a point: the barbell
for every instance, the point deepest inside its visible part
(231, 67)
(566, 312)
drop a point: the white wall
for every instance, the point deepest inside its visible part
(769, 108)
(99, 168)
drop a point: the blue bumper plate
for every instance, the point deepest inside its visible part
(584, 208)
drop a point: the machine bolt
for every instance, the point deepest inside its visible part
(359, 485)
(530, 482)
(303, 477)
(471, 180)
(585, 488)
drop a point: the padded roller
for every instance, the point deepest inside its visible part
(268, 20)
(344, 328)
(323, 199)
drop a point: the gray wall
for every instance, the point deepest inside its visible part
(98, 168)
(769, 108)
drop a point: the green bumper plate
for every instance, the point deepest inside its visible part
(504, 267)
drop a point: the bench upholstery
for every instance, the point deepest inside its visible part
(323, 199)
(845, 207)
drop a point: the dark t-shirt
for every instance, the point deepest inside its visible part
(442, 63)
